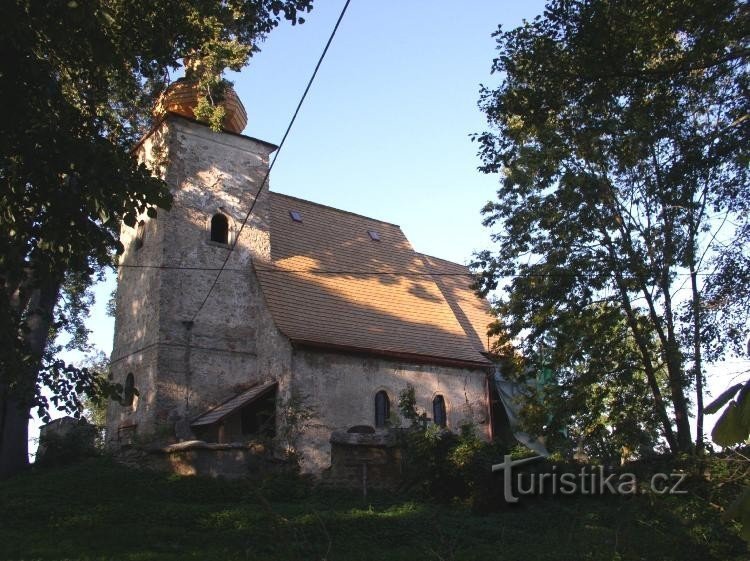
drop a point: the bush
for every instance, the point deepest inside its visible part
(66, 441)
(442, 465)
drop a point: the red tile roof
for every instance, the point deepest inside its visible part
(331, 285)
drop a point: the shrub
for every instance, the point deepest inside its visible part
(442, 465)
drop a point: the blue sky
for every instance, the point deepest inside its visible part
(384, 130)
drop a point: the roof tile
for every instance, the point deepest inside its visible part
(328, 283)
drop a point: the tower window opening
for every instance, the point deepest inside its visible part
(140, 231)
(219, 229)
(129, 392)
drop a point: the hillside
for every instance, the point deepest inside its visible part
(99, 510)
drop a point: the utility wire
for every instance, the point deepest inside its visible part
(372, 273)
(276, 155)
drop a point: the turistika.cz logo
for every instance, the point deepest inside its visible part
(588, 481)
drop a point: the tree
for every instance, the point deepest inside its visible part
(78, 80)
(95, 406)
(621, 131)
(591, 390)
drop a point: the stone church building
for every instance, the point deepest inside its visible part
(315, 305)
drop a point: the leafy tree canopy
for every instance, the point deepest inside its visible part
(620, 130)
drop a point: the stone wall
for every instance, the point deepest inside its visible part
(181, 368)
(137, 306)
(364, 461)
(230, 460)
(341, 388)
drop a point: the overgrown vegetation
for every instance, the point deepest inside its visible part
(620, 133)
(99, 510)
(440, 464)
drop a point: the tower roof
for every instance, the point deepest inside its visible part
(181, 98)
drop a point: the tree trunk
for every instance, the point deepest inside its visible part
(640, 339)
(14, 424)
(648, 368)
(697, 364)
(676, 377)
(16, 401)
(697, 358)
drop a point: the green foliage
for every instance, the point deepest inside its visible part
(740, 510)
(731, 429)
(69, 384)
(439, 464)
(407, 405)
(597, 394)
(294, 416)
(208, 112)
(620, 133)
(95, 407)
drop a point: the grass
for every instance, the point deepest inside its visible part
(99, 510)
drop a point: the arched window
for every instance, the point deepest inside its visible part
(438, 411)
(382, 409)
(129, 391)
(140, 231)
(219, 229)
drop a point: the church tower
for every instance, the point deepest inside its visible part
(183, 339)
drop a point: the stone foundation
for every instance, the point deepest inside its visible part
(364, 460)
(232, 459)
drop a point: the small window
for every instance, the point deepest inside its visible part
(129, 391)
(382, 409)
(219, 229)
(140, 231)
(374, 236)
(438, 411)
(296, 216)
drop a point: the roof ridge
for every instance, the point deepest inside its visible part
(443, 259)
(274, 193)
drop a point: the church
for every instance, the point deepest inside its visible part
(226, 322)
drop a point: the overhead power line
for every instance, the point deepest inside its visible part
(557, 274)
(273, 161)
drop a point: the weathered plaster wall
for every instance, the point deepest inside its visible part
(183, 368)
(342, 387)
(137, 306)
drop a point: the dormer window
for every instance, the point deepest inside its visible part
(374, 236)
(295, 215)
(220, 229)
